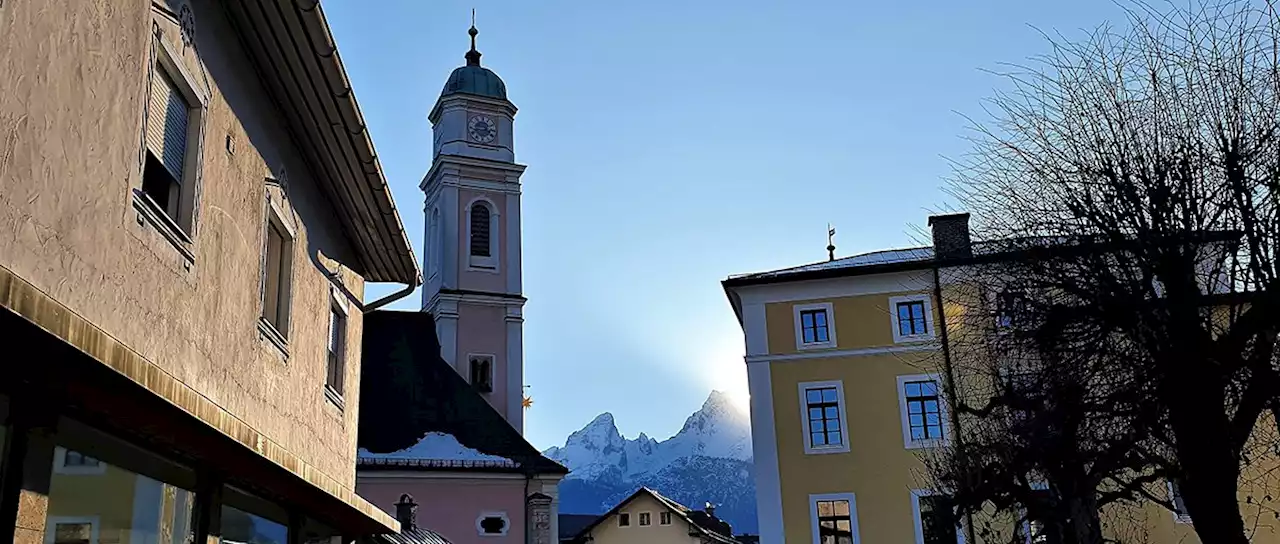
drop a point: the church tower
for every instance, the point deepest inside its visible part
(473, 236)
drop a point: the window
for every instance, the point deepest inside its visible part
(823, 408)
(645, 519)
(138, 497)
(834, 518)
(277, 268)
(72, 530)
(936, 519)
(492, 524)
(814, 326)
(1179, 507)
(482, 373)
(664, 518)
(337, 348)
(482, 247)
(624, 520)
(171, 137)
(435, 238)
(1012, 309)
(1036, 529)
(67, 461)
(480, 230)
(923, 416)
(911, 317)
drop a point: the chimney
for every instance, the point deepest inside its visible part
(951, 236)
(406, 513)
(710, 509)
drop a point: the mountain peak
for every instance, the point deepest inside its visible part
(717, 398)
(604, 419)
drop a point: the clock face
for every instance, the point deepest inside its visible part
(482, 129)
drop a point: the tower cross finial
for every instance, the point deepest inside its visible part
(831, 244)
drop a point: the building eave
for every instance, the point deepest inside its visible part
(293, 51)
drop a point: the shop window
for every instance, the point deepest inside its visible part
(247, 518)
(103, 490)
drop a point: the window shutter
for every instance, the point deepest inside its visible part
(167, 119)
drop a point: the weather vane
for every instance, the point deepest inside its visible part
(831, 244)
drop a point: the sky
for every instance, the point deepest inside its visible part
(670, 144)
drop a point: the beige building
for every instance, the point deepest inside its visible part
(846, 366)
(648, 517)
(190, 207)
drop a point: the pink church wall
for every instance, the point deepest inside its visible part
(452, 506)
(485, 332)
(477, 280)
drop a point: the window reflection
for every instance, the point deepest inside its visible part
(240, 527)
(92, 501)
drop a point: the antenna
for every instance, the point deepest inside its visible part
(473, 16)
(831, 244)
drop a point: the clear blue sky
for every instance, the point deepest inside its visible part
(672, 143)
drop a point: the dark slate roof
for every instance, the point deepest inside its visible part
(407, 390)
(710, 532)
(415, 535)
(475, 80)
(572, 524)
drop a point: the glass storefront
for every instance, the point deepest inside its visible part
(98, 493)
(247, 519)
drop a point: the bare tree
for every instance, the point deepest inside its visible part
(1153, 155)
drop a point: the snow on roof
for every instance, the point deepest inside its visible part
(888, 256)
(439, 447)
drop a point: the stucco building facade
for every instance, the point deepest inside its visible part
(190, 207)
(846, 371)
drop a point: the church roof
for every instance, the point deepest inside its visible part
(473, 78)
(417, 413)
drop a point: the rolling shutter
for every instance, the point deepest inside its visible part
(167, 118)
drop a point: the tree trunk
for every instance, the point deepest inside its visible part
(1210, 468)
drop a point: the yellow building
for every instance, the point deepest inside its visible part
(844, 363)
(648, 517)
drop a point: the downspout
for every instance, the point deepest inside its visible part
(950, 375)
(393, 296)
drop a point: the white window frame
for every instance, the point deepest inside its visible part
(166, 60)
(484, 264)
(506, 523)
(51, 525)
(640, 518)
(664, 518)
(899, 338)
(919, 522)
(1178, 517)
(804, 418)
(831, 325)
(60, 464)
(943, 412)
(853, 514)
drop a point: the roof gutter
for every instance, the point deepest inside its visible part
(409, 288)
(344, 98)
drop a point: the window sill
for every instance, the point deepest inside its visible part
(925, 444)
(826, 450)
(917, 338)
(151, 212)
(334, 396)
(266, 329)
(816, 345)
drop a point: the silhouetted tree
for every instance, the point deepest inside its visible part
(1137, 173)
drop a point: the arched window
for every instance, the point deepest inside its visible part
(480, 230)
(482, 373)
(435, 239)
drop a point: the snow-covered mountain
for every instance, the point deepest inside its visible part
(709, 460)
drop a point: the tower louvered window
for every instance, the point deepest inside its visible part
(480, 230)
